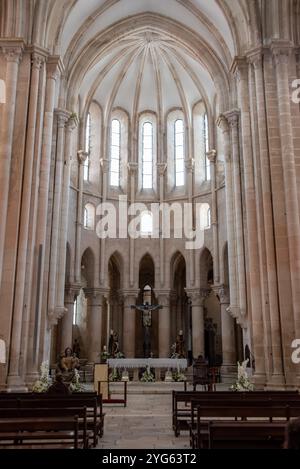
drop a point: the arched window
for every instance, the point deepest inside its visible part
(147, 157)
(205, 216)
(115, 155)
(206, 146)
(179, 153)
(86, 164)
(89, 217)
(146, 223)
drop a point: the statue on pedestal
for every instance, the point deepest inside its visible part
(178, 348)
(113, 344)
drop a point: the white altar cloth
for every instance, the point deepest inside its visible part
(172, 363)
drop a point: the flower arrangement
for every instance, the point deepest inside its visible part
(44, 381)
(243, 383)
(75, 385)
(178, 375)
(147, 376)
(115, 375)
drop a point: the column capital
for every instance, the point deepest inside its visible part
(198, 295)
(72, 122)
(104, 165)
(233, 117)
(129, 296)
(223, 293)
(212, 156)
(189, 165)
(281, 51)
(55, 315)
(82, 156)
(71, 291)
(255, 56)
(62, 117)
(96, 293)
(161, 168)
(223, 123)
(12, 49)
(132, 167)
(239, 68)
(54, 67)
(38, 56)
(163, 297)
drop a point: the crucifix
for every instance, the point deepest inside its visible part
(146, 310)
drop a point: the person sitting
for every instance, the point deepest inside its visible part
(59, 387)
(292, 435)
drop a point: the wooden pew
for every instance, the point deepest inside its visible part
(42, 431)
(181, 402)
(237, 413)
(42, 412)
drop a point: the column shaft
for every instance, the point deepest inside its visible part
(164, 326)
(129, 325)
(95, 310)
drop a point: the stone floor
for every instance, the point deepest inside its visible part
(146, 422)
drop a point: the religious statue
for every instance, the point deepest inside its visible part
(113, 345)
(146, 310)
(76, 348)
(178, 348)
(66, 365)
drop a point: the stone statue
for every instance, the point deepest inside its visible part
(179, 346)
(113, 345)
(66, 365)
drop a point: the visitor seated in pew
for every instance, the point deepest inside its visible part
(292, 436)
(59, 387)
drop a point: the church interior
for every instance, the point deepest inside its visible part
(149, 218)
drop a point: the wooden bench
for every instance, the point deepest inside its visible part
(181, 402)
(42, 412)
(93, 403)
(237, 413)
(42, 431)
(244, 435)
(111, 400)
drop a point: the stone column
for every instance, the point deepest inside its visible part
(161, 171)
(62, 118)
(133, 169)
(228, 336)
(12, 50)
(61, 274)
(212, 156)
(197, 298)
(19, 312)
(164, 324)
(95, 299)
(105, 175)
(82, 156)
(234, 309)
(264, 173)
(233, 119)
(189, 166)
(240, 68)
(129, 323)
(282, 51)
(67, 321)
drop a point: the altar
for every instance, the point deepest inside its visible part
(158, 364)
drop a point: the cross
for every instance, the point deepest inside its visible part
(146, 310)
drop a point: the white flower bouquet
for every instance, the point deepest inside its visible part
(243, 383)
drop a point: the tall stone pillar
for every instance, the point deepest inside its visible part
(263, 170)
(61, 274)
(161, 172)
(12, 51)
(132, 169)
(281, 52)
(82, 156)
(189, 166)
(197, 298)
(62, 118)
(212, 156)
(233, 279)
(164, 325)
(233, 119)
(240, 68)
(103, 260)
(129, 323)
(20, 314)
(228, 335)
(95, 299)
